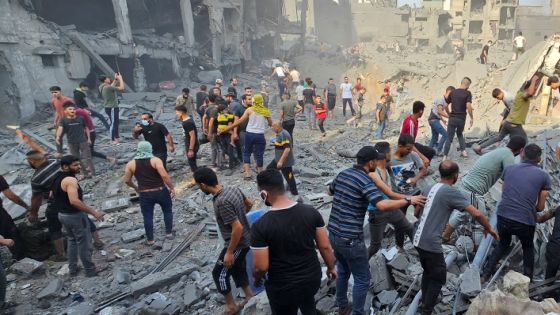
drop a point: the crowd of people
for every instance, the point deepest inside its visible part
(382, 184)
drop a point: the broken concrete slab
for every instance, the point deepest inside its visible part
(258, 305)
(132, 236)
(153, 282)
(550, 306)
(191, 295)
(380, 277)
(390, 253)
(470, 281)
(516, 284)
(122, 275)
(387, 297)
(399, 262)
(113, 310)
(113, 205)
(52, 289)
(28, 266)
(83, 308)
(497, 302)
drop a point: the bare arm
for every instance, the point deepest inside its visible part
(281, 115)
(541, 201)
(284, 156)
(32, 144)
(88, 134)
(59, 132)
(441, 111)
(211, 127)
(532, 88)
(378, 114)
(422, 157)
(14, 198)
(481, 218)
(546, 216)
(120, 86)
(298, 109)
(239, 121)
(36, 200)
(127, 178)
(170, 144)
(269, 120)
(470, 110)
(260, 264)
(236, 233)
(70, 185)
(192, 140)
(388, 205)
(384, 188)
(324, 246)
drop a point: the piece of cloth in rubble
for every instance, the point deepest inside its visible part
(258, 106)
(144, 151)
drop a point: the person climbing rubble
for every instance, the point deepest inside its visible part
(410, 127)
(437, 117)
(461, 105)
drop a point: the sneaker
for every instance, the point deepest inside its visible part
(464, 154)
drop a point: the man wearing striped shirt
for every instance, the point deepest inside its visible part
(352, 191)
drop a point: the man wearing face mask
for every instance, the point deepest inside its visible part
(229, 208)
(156, 134)
(352, 191)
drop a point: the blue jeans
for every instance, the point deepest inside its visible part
(148, 200)
(437, 130)
(255, 143)
(351, 259)
(380, 129)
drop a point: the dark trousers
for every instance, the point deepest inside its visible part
(426, 151)
(289, 126)
(3, 284)
(507, 129)
(100, 116)
(255, 144)
(8, 229)
(506, 229)
(239, 145)
(349, 102)
(227, 148)
(320, 122)
(78, 234)
(238, 271)
(192, 161)
(113, 114)
(331, 101)
(288, 302)
(93, 136)
(378, 220)
(288, 175)
(455, 125)
(433, 279)
(148, 200)
(552, 260)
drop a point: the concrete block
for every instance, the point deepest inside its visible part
(497, 302)
(28, 266)
(113, 310)
(157, 301)
(155, 281)
(122, 275)
(390, 253)
(470, 282)
(83, 308)
(114, 205)
(380, 277)
(132, 236)
(516, 284)
(123, 253)
(52, 289)
(550, 306)
(191, 295)
(387, 297)
(399, 262)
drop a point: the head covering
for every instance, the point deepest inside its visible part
(258, 106)
(366, 154)
(144, 151)
(218, 81)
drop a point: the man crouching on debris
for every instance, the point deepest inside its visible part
(229, 206)
(442, 199)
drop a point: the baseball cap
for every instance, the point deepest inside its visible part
(366, 154)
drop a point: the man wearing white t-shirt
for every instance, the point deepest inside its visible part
(519, 43)
(346, 94)
(280, 75)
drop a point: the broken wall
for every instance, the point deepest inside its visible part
(535, 27)
(333, 22)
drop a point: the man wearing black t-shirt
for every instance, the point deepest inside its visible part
(191, 136)
(461, 105)
(201, 97)
(8, 228)
(229, 207)
(283, 243)
(156, 134)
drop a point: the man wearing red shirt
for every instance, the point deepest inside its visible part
(358, 86)
(320, 113)
(410, 127)
(86, 116)
(57, 103)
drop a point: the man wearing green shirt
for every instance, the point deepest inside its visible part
(108, 92)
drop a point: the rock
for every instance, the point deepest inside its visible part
(464, 243)
(113, 205)
(258, 305)
(123, 253)
(153, 282)
(122, 275)
(550, 306)
(83, 308)
(64, 270)
(400, 262)
(52, 289)
(28, 266)
(326, 304)
(157, 301)
(113, 310)
(210, 76)
(307, 172)
(470, 281)
(192, 295)
(44, 304)
(380, 277)
(387, 297)
(497, 302)
(389, 254)
(132, 236)
(516, 284)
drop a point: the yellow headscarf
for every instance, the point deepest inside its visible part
(258, 106)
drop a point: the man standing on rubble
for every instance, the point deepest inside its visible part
(238, 136)
(284, 156)
(210, 128)
(57, 103)
(346, 94)
(154, 187)
(436, 118)
(289, 255)
(108, 92)
(507, 99)
(85, 115)
(229, 207)
(288, 111)
(481, 177)
(81, 101)
(519, 45)
(442, 198)
(190, 135)
(484, 53)
(410, 127)
(330, 95)
(461, 105)
(72, 213)
(187, 100)
(525, 189)
(201, 97)
(352, 191)
(280, 75)
(156, 134)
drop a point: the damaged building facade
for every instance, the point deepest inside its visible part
(46, 42)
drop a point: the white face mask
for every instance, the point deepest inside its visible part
(145, 122)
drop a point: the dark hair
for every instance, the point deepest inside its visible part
(212, 98)
(186, 90)
(520, 33)
(405, 139)
(517, 143)
(467, 79)
(102, 78)
(203, 87)
(247, 88)
(331, 79)
(231, 80)
(448, 169)
(532, 152)
(205, 175)
(450, 89)
(54, 88)
(83, 84)
(496, 92)
(382, 147)
(68, 104)
(148, 114)
(417, 107)
(221, 107)
(67, 160)
(181, 108)
(244, 97)
(553, 79)
(271, 181)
